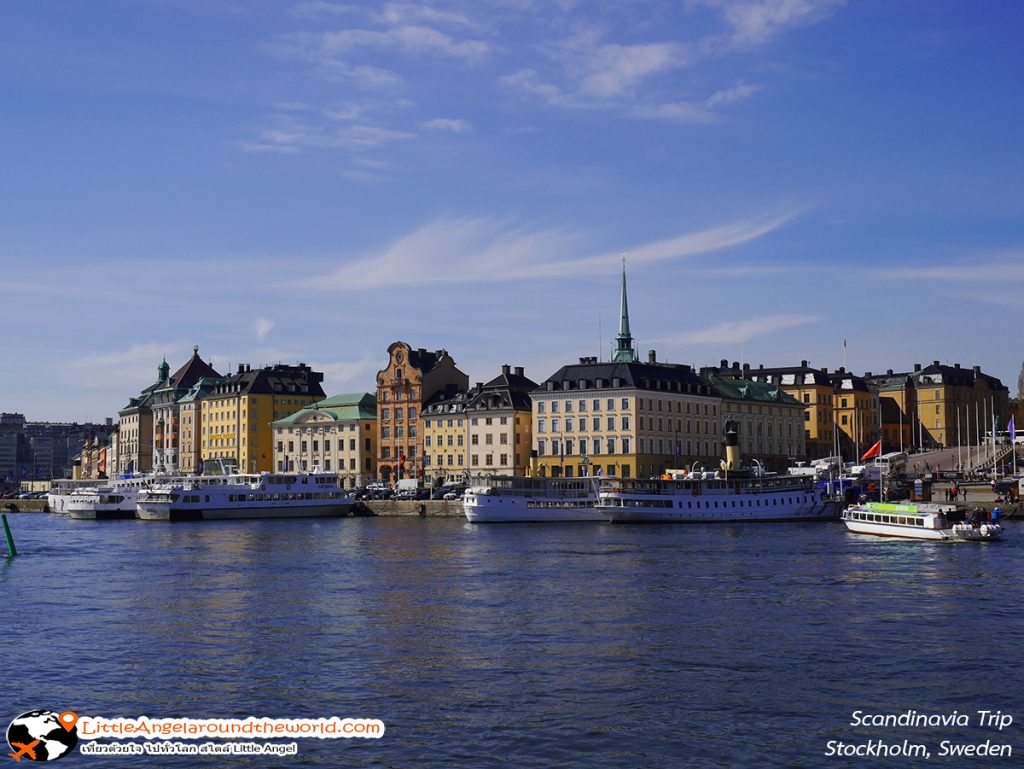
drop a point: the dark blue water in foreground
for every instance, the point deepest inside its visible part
(576, 645)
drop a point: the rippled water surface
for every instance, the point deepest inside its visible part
(516, 645)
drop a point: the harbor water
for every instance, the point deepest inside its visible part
(574, 645)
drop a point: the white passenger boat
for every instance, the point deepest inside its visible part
(263, 495)
(728, 495)
(60, 492)
(705, 497)
(115, 499)
(533, 500)
(917, 521)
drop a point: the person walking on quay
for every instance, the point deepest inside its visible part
(964, 492)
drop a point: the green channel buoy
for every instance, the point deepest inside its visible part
(11, 549)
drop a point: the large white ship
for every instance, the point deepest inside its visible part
(263, 495)
(728, 495)
(538, 500)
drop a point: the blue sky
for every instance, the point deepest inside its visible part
(310, 181)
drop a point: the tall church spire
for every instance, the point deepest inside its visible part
(624, 352)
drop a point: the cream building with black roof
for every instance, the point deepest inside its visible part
(624, 417)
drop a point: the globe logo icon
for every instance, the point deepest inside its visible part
(42, 735)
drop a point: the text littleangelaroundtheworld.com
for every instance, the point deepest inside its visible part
(94, 728)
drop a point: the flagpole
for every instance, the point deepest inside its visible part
(959, 455)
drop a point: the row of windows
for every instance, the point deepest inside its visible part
(399, 451)
(326, 465)
(304, 445)
(557, 424)
(385, 413)
(385, 431)
(580, 405)
(584, 446)
(384, 396)
(474, 460)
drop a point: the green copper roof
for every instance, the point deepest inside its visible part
(347, 407)
(748, 390)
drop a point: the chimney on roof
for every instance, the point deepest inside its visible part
(479, 385)
(584, 361)
(956, 365)
(867, 374)
(889, 372)
(652, 356)
(735, 365)
(746, 367)
(724, 363)
(506, 369)
(518, 371)
(241, 368)
(917, 367)
(977, 369)
(803, 364)
(760, 366)
(935, 363)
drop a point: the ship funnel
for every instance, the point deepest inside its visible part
(732, 446)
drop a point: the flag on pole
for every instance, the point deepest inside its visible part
(1012, 429)
(874, 451)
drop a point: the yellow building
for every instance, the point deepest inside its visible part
(809, 386)
(897, 398)
(236, 416)
(957, 405)
(445, 437)
(857, 413)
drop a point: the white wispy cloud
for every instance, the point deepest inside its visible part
(753, 22)
(447, 124)
(967, 271)
(401, 14)
(731, 95)
(263, 327)
(312, 9)
(487, 250)
(351, 374)
(739, 331)
(137, 364)
(289, 133)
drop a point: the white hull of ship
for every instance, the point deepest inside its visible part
(895, 530)
(512, 509)
(157, 511)
(809, 512)
(89, 512)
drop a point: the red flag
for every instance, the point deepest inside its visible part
(874, 451)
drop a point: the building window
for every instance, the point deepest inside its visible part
(540, 407)
(541, 447)
(611, 445)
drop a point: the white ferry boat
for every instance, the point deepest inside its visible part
(916, 521)
(115, 499)
(729, 495)
(263, 495)
(706, 497)
(533, 500)
(60, 492)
